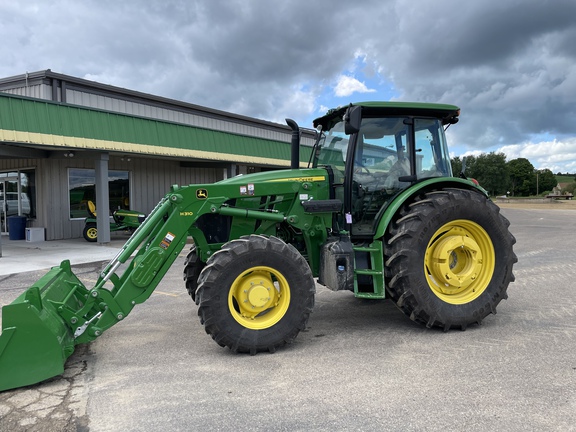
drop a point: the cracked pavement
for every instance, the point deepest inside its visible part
(359, 366)
(58, 404)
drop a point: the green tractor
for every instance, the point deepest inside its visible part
(122, 220)
(377, 212)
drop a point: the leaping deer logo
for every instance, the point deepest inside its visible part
(201, 193)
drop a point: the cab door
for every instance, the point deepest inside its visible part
(381, 163)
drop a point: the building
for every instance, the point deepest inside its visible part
(65, 141)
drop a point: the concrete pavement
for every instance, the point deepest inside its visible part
(359, 366)
(21, 256)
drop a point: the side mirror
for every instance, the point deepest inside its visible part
(463, 170)
(352, 120)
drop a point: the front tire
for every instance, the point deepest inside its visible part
(192, 268)
(90, 232)
(255, 294)
(449, 258)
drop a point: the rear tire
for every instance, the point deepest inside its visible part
(255, 294)
(90, 232)
(449, 258)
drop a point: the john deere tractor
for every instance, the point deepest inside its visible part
(377, 212)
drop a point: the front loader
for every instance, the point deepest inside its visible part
(377, 212)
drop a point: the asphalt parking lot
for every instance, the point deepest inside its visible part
(360, 365)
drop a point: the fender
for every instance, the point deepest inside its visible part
(407, 194)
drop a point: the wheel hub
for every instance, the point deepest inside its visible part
(255, 293)
(259, 297)
(459, 261)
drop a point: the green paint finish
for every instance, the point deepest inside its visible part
(58, 312)
(411, 106)
(36, 340)
(376, 271)
(439, 183)
(45, 117)
(384, 108)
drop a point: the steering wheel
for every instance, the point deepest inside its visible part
(358, 169)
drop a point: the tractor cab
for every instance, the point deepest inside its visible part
(376, 150)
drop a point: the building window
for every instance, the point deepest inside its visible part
(81, 187)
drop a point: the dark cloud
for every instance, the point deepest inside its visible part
(510, 65)
(485, 33)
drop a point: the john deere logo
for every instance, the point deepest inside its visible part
(201, 193)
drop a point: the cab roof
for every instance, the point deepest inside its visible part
(444, 112)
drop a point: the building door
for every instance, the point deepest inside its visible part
(10, 200)
(3, 224)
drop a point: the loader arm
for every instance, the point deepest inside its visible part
(135, 272)
(42, 326)
(161, 239)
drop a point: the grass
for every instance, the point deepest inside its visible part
(565, 178)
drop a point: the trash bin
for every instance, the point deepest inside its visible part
(16, 227)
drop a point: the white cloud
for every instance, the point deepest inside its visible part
(474, 153)
(556, 155)
(348, 85)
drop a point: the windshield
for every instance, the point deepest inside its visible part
(383, 141)
(332, 148)
(432, 158)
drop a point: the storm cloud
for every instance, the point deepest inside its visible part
(510, 65)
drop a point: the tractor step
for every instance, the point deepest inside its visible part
(369, 271)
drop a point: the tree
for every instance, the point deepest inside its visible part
(491, 172)
(545, 181)
(570, 188)
(489, 169)
(499, 177)
(456, 163)
(521, 173)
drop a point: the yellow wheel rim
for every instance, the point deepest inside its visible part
(92, 233)
(459, 261)
(259, 298)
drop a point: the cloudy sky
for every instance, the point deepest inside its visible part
(509, 64)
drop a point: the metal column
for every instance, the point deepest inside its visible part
(102, 198)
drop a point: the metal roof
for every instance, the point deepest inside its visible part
(56, 126)
(72, 82)
(94, 87)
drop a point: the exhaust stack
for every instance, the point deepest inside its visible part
(294, 144)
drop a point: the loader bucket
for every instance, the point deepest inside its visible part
(36, 340)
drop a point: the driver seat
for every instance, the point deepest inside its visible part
(91, 208)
